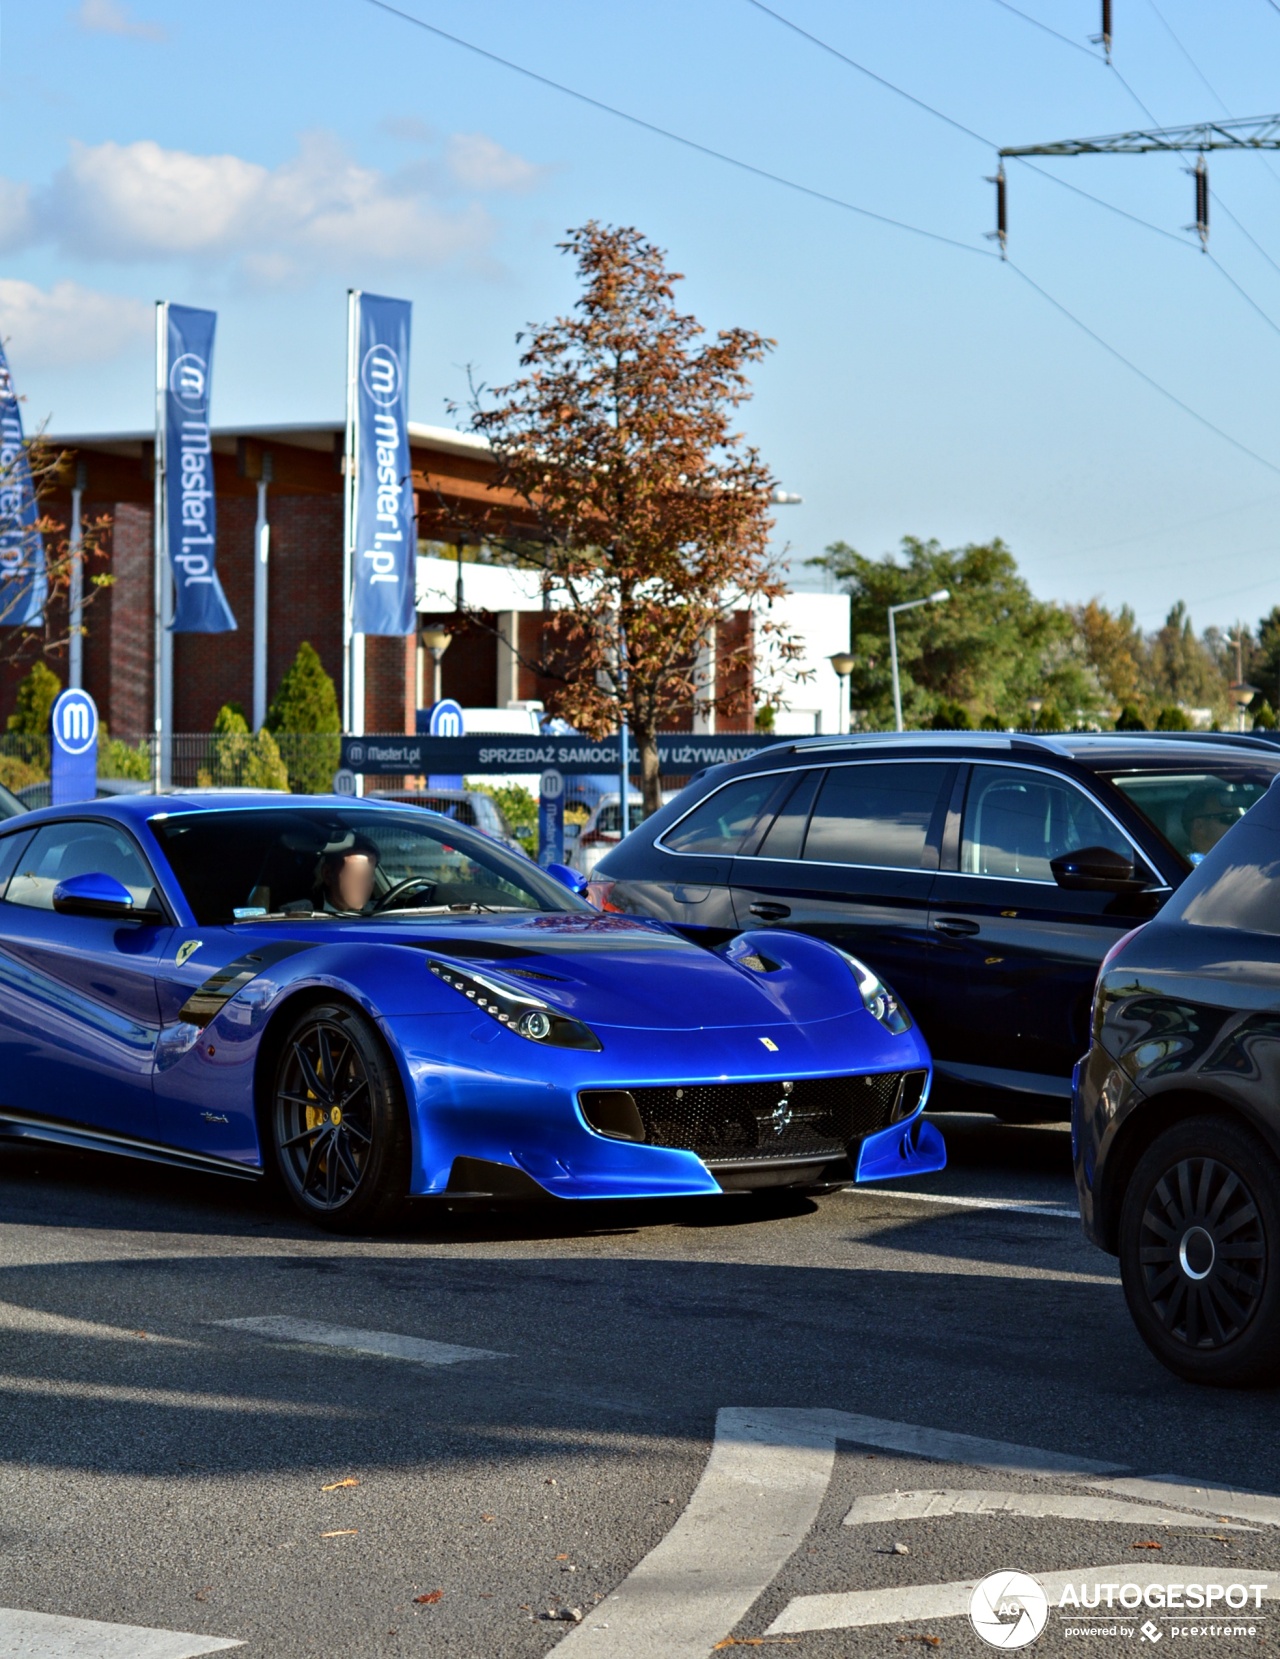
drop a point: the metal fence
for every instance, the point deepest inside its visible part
(300, 761)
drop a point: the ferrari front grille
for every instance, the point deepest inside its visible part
(739, 1122)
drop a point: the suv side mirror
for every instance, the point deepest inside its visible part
(99, 895)
(1093, 869)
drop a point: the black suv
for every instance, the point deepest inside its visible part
(984, 877)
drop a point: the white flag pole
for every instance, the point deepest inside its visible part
(159, 563)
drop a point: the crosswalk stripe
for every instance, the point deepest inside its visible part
(1062, 1506)
(1244, 1505)
(923, 1603)
(26, 1635)
(282, 1327)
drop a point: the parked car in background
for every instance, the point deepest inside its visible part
(465, 806)
(1176, 1115)
(35, 795)
(603, 829)
(983, 877)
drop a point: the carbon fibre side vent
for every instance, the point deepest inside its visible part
(612, 1112)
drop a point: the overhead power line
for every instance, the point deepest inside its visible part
(675, 137)
(818, 195)
(1065, 39)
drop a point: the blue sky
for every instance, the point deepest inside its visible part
(262, 158)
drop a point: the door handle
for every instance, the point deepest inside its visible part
(770, 912)
(955, 927)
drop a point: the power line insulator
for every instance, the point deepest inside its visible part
(1001, 232)
(1200, 173)
(1104, 39)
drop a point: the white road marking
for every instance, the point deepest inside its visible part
(759, 1494)
(1015, 1206)
(1262, 1507)
(386, 1344)
(181, 1399)
(922, 1603)
(1062, 1506)
(26, 1635)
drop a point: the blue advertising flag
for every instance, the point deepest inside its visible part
(24, 582)
(200, 606)
(384, 565)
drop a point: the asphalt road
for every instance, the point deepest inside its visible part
(212, 1422)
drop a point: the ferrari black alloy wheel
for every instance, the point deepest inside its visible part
(1198, 1234)
(338, 1122)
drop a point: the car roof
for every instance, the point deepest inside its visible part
(1096, 750)
(135, 810)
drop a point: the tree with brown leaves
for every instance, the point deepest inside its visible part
(47, 539)
(645, 512)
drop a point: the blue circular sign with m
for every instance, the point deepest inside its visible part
(73, 728)
(446, 719)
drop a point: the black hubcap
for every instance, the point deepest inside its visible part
(323, 1114)
(1203, 1253)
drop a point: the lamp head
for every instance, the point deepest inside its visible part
(842, 662)
(436, 639)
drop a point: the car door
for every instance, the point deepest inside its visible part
(1016, 955)
(687, 876)
(79, 1012)
(851, 857)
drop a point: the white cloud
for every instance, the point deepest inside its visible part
(66, 324)
(109, 17)
(139, 201)
(480, 163)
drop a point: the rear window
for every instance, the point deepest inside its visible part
(877, 815)
(721, 822)
(1241, 885)
(1194, 809)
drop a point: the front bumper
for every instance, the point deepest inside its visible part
(473, 1112)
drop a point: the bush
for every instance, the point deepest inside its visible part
(1130, 720)
(1264, 717)
(1172, 719)
(307, 702)
(765, 721)
(516, 804)
(951, 717)
(117, 760)
(16, 773)
(37, 692)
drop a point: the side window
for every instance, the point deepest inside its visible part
(875, 814)
(1016, 822)
(59, 851)
(720, 823)
(10, 851)
(785, 836)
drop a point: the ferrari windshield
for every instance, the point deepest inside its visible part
(345, 861)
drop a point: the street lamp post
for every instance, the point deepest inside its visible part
(436, 640)
(938, 598)
(842, 662)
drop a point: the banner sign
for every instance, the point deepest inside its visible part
(551, 817)
(678, 753)
(24, 582)
(200, 606)
(73, 752)
(385, 549)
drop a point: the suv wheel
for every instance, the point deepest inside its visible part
(1200, 1252)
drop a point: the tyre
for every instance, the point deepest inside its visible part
(1200, 1252)
(339, 1128)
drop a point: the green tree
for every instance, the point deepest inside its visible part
(264, 766)
(1185, 670)
(1130, 719)
(306, 707)
(37, 692)
(1173, 719)
(1264, 664)
(1116, 650)
(990, 648)
(1264, 717)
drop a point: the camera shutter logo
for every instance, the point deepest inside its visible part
(189, 382)
(75, 723)
(380, 375)
(1008, 1609)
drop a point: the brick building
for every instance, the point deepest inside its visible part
(487, 662)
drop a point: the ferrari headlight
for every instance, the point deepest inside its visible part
(528, 1016)
(878, 1000)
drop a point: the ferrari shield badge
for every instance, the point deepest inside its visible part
(187, 949)
(770, 1044)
